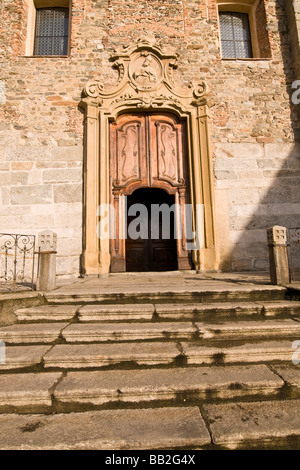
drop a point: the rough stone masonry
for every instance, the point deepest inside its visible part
(254, 125)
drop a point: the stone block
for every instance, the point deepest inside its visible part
(99, 355)
(239, 150)
(73, 153)
(135, 386)
(64, 174)
(105, 430)
(67, 193)
(26, 153)
(30, 195)
(259, 424)
(31, 389)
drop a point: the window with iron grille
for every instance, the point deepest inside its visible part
(235, 35)
(51, 31)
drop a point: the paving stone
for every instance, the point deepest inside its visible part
(261, 424)
(127, 331)
(98, 355)
(31, 333)
(249, 329)
(98, 387)
(116, 312)
(264, 351)
(163, 428)
(47, 312)
(23, 356)
(31, 389)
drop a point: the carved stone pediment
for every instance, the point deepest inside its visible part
(145, 81)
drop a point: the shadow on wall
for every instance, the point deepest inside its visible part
(268, 192)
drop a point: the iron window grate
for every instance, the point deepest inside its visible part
(52, 31)
(235, 35)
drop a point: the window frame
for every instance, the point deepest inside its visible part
(33, 5)
(235, 43)
(249, 9)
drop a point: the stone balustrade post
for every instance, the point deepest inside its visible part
(279, 265)
(46, 279)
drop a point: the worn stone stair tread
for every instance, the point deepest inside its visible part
(98, 355)
(98, 387)
(23, 356)
(116, 312)
(258, 351)
(290, 373)
(249, 329)
(203, 292)
(127, 331)
(268, 423)
(27, 389)
(162, 428)
(31, 333)
(47, 312)
(196, 310)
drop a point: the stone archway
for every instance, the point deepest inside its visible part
(148, 150)
(146, 85)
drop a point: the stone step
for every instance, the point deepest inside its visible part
(171, 294)
(31, 333)
(97, 332)
(240, 425)
(180, 384)
(161, 428)
(238, 330)
(217, 310)
(267, 424)
(147, 311)
(20, 357)
(47, 333)
(47, 313)
(78, 356)
(58, 391)
(179, 330)
(27, 390)
(251, 352)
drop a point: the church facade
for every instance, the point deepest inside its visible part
(110, 106)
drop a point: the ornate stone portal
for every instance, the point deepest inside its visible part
(146, 132)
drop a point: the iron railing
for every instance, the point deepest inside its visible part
(17, 261)
(293, 240)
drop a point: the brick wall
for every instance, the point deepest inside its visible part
(253, 125)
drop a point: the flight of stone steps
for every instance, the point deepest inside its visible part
(159, 371)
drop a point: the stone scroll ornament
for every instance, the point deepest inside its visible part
(145, 81)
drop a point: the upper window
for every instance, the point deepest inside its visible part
(235, 35)
(51, 31)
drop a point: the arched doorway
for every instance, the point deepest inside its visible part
(151, 242)
(149, 166)
(148, 150)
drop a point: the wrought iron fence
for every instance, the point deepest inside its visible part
(17, 261)
(293, 239)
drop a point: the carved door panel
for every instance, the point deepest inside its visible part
(128, 151)
(167, 144)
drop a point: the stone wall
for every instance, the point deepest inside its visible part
(253, 126)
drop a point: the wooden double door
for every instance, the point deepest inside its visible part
(150, 243)
(148, 164)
